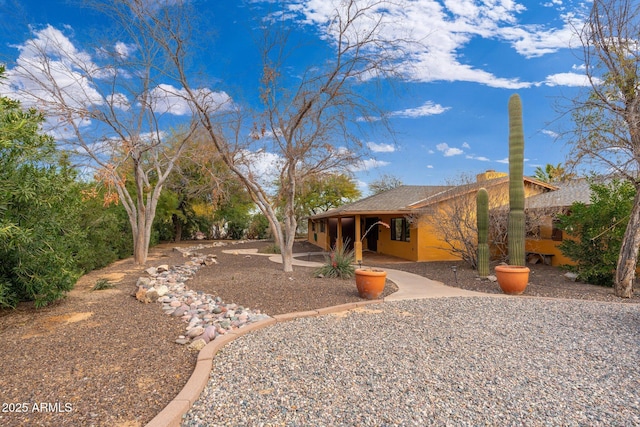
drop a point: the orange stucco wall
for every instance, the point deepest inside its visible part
(317, 237)
(400, 249)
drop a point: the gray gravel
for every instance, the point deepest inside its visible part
(450, 361)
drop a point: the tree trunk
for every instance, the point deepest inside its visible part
(628, 258)
(287, 257)
(177, 228)
(140, 246)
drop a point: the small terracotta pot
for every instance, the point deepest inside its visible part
(370, 283)
(513, 279)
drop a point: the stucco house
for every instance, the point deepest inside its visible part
(400, 221)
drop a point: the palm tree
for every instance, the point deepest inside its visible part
(552, 173)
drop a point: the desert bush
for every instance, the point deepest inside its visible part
(597, 230)
(338, 263)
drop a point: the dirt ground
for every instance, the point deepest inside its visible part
(103, 358)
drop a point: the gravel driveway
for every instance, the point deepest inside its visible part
(449, 361)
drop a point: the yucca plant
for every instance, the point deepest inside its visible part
(338, 263)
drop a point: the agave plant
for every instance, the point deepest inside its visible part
(338, 263)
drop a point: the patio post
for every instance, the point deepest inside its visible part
(357, 244)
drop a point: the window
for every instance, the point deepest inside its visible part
(400, 229)
(313, 226)
(556, 233)
(322, 226)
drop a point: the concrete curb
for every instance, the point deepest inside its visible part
(171, 415)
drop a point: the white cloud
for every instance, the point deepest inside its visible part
(479, 158)
(381, 148)
(445, 28)
(169, 99)
(550, 133)
(123, 49)
(429, 166)
(426, 109)
(452, 24)
(261, 165)
(368, 164)
(505, 160)
(568, 79)
(119, 101)
(465, 145)
(448, 151)
(51, 54)
(536, 40)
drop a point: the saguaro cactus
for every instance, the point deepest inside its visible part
(516, 183)
(482, 218)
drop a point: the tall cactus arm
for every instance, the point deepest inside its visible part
(482, 217)
(516, 227)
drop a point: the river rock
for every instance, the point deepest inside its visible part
(152, 295)
(195, 331)
(207, 316)
(143, 281)
(210, 332)
(141, 295)
(198, 344)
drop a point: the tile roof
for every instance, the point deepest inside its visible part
(576, 190)
(459, 190)
(395, 200)
(407, 198)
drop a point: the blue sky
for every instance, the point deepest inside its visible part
(450, 110)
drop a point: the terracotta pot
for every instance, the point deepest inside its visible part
(513, 279)
(370, 283)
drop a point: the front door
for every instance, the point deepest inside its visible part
(372, 236)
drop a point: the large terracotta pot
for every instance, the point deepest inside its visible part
(370, 283)
(513, 279)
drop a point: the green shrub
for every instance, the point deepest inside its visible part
(339, 263)
(258, 227)
(108, 234)
(271, 249)
(598, 228)
(102, 284)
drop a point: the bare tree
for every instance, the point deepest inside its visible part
(112, 107)
(384, 183)
(306, 123)
(607, 121)
(309, 124)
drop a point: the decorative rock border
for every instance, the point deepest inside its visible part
(208, 317)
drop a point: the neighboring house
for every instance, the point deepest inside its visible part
(408, 208)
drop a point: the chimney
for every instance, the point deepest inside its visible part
(490, 174)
